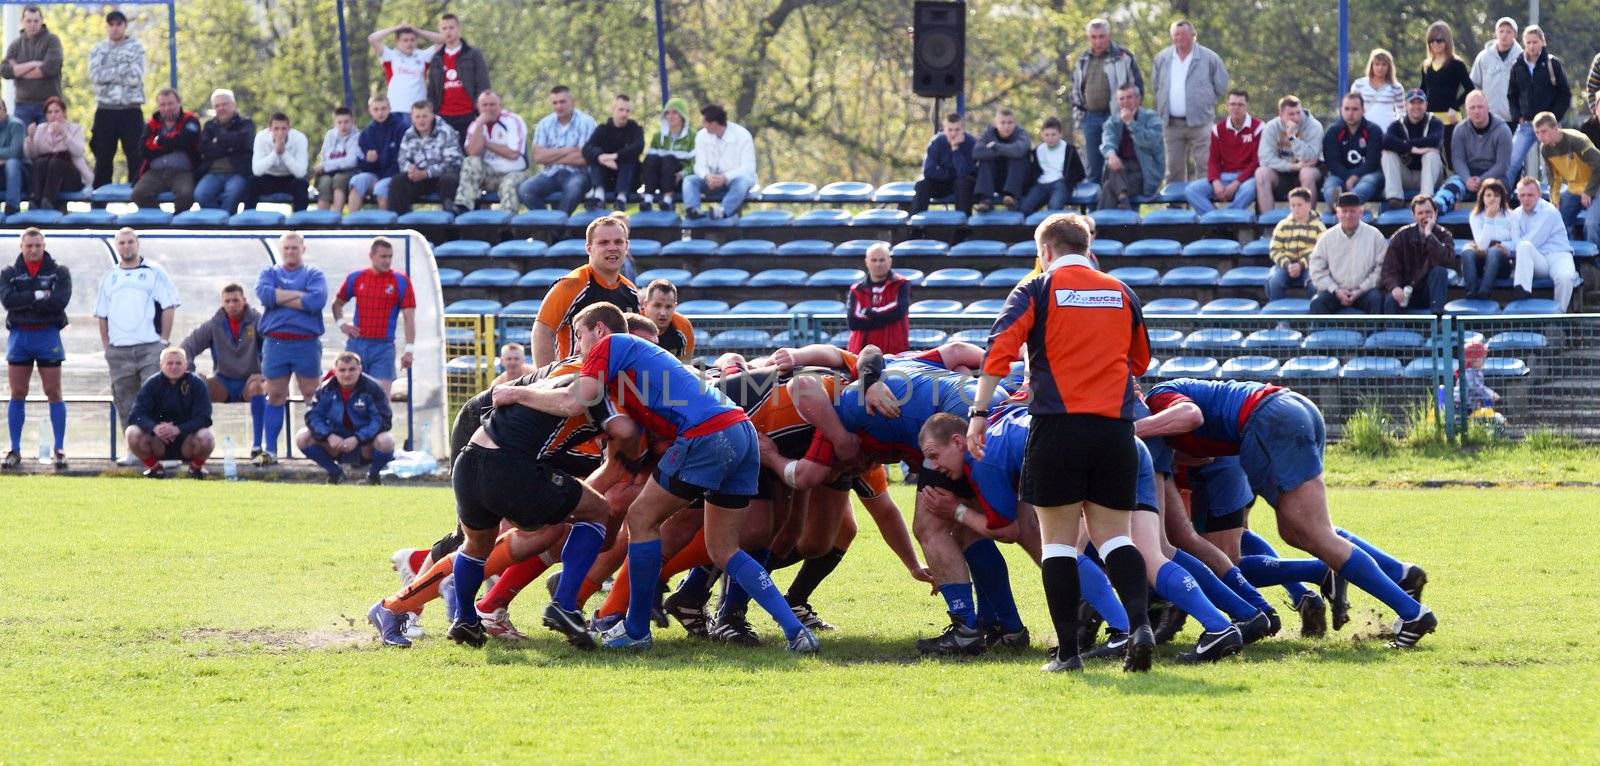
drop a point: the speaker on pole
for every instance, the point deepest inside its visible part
(939, 48)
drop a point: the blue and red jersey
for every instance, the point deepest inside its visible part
(994, 479)
(1226, 405)
(650, 385)
(379, 297)
(922, 390)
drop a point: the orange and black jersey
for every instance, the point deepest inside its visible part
(678, 339)
(578, 290)
(764, 396)
(540, 435)
(1086, 335)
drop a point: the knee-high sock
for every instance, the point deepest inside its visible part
(468, 576)
(58, 423)
(511, 582)
(691, 559)
(691, 556)
(321, 457)
(379, 461)
(735, 599)
(644, 570)
(754, 580)
(958, 602)
(1252, 544)
(1262, 571)
(258, 416)
(811, 574)
(1364, 573)
(425, 587)
(582, 547)
(699, 581)
(1096, 590)
(776, 562)
(1392, 567)
(16, 413)
(992, 579)
(274, 426)
(1175, 584)
(1217, 592)
(1125, 569)
(587, 589)
(1236, 582)
(1058, 569)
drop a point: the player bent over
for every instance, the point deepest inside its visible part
(348, 421)
(171, 418)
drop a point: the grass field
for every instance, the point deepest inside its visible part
(144, 621)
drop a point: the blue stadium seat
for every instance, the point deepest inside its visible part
(461, 248)
(197, 217)
(1212, 248)
(1331, 340)
(1086, 193)
(1372, 367)
(1137, 276)
(426, 218)
(835, 278)
(817, 306)
(1227, 216)
(701, 335)
(1287, 306)
(644, 248)
(742, 338)
(759, 248)
(855, 248)
(1212, 338)
(895, 192)
(371, 218)
(567, 248)
(1272, 217)
(1425, 367)
(449, 277)
(1472, 307)
(760, 306)
(1170, 217)
(879, 216)
(978, 248)
(650, 219)
(1024, 249)
(1583, 249)
(1105, 248)
(996, 218)
(707, 222)
(765, 218)
(778, 278)
(1114, 217)
(1461, 217)
(315, 217)
(1230, 307)
(493, 277)
(1037, 217)
(582, 218)
(675, 276)
(1189, 367)
(924, 338)
(846, 193)
(1396, 217)
(551, 218)
(914, 247)
(1189, 276)
(485, 217)
(954, 278)
(112, 193)
(249, 219)
(1250, 368)
(1246, 276)
(974, 336)
(840, 339)
(720, 278)
(541, 278)
(702, 307)
(1170, 306)
(81, 195)
(1165, 338)
(473, 306)
(789, 191)
(985, 306)
(1165, 248)
(823, 217)
(1531, 306)
(1310, 367)
(1006, 278)
(806, 247)
(798, 338)
(938, 218)
(529, 307)
(1394, 339)
(1277, 337)
(936, 306)
(153, 216)
(1504, 367)
(1517, 340)
(685, 248)
(107, 218)
(1171, 194)
(914, 276)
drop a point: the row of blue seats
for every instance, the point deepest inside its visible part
(1301, 367)
(1333, 339)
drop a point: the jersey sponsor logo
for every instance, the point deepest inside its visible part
(1090, 299)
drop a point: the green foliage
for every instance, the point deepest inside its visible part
(1547, 439)
(1368, 432)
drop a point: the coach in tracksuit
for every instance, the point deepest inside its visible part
(171, 418)
(348, 421)
(292, 295)
(35, 292)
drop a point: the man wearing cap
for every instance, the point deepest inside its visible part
(1346, 263)
(1412, 155)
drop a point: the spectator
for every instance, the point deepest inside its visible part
(135, 304)
(1478, 395)
(495, 157)
(1353, 151)
(1346, 262)
(1001, 158)
(598, 281)
(1059, 170)
(405, 65)
(292, 295)
(1293, 239)
(348, 421)
(1543, 249)
(878, 307)
(55, 147)
(1444, 76)
(13, 148)
(1412, 151)
(1416, 267)
(336, 163)
(674, 331)
(227, 146)
(724, 164)
(380, 153)
(1382, 95)
(1538, 84)
(457, 76)
(1290, 151)
(1491, 70)
(171, 418)
(1480, 148)
(1574, 164)
(233, 338)
(429, 160)
(1494, 239)
(612, 154)
(1099, 73)
(1189, 79)
(513, 364)
(1591, 84)
(34, 62)
(278, 164)
(670, 148)
(558, 140)
(1232, 159)
(116, 70)
(381, 295)
(170, 153)
(1131, 145)
(35, 291)
(947, 167)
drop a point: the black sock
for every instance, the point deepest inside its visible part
(448, 544)
(776, 562)
(1060, 574)
(1125, 568)
(811, 574)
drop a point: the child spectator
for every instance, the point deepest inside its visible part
(1293, 239)
(336, 163)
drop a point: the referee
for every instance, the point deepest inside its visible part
(1087, 341)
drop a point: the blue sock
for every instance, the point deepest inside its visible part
(274, 427)
(58, 424)
(1252, 544)
(992, 579)
(697, 581)
(468, 575)
(1095, 588)
(1262, 571)
(754, 580)
(958, 601)
(1391, 566)
(258, 413)
(735, 599)
(16, 413)
(1364, 573)
(644, 570)
(321, 457)
(1236, 582)
(1216, 591)
(1175, 585)
(381, 459)
(577, 555)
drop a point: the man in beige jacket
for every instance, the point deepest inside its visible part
(1346, 263)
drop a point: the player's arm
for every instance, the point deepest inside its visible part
(811, 401)
(544, 344)
(1006, 340)
(555, 400)
(891, 524)
(961, 354)
(804, 473)
(1175, 415)
(814, 355)
(978, 424)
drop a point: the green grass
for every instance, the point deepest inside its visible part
(1538, 460)
(180, 622)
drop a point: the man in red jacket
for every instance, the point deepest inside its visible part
(1233, 160)
(877, 306)
(171, 151)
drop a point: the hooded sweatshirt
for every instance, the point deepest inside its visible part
(45, 47)
(664, 143)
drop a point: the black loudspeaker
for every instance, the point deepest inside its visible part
(939, 49)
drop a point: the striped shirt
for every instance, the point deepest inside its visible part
(1294, 241)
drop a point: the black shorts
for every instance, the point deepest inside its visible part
(494, 484)
(1205, 523)
(932, 477)
(174, 449)
(1076, 458)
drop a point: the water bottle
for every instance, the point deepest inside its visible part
(230, 465)
(1407, 292)
(45, 453)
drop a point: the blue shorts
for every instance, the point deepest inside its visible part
(301, 357)
(377, 356)
(1161, 457)
(37, 347)
(1219, 488)
(1282, 445)
(234, 387)
(723, 467)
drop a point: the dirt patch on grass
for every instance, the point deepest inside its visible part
(282, 640)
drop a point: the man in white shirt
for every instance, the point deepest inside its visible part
(127, 304)
(278, 164)
(494, 155)
(724, 165)
(1050, 190)
(1543, 249)
(1189, 80)
(558, 140)
(405, 65)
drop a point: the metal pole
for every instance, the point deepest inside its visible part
(172, 43)
(344, 59)
(661, 52)
(1533, 11)
(411, 395)
(1344, 53)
